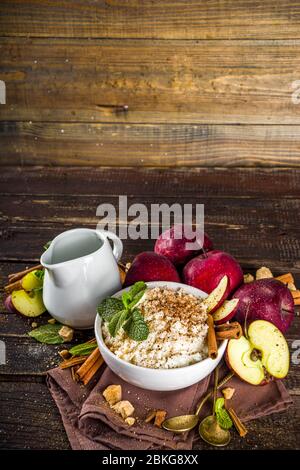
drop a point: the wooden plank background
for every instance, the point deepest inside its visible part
(206, 83)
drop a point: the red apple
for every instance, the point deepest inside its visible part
(173, 244)
(149, 266)
(206, 271)
(9, 305)
(264, 354)
(265, 299)
(225, 312)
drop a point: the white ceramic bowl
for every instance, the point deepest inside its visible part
(159, 379)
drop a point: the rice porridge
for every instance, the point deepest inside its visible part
(177, 331)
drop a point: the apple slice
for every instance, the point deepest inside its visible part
(217, 296)
(268, 339)
(261, 356)
(226, 311)
(28, 304)
(31, 281)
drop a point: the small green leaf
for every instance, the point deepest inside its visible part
(136, 288)
(83, 349)
(126, 299)
(222, 415)
(136, 299)
(109, 307)
(113, 322)
(47, 334)
(136, 327)
(39, 273)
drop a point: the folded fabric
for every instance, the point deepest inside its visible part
(92, 425)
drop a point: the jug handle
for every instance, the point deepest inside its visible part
(117, 243)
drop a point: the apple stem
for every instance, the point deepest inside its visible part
(204, 252)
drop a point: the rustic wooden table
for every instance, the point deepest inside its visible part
(252, 213)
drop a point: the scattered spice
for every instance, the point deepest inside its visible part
(34, 324)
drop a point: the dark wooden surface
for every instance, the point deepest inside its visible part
(250, 213)
(207, 83)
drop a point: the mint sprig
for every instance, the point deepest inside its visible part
(123, 313)
(222, 415)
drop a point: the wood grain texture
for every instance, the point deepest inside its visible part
(181, 19)
(208, 182)
(166, 145)
(209, 82)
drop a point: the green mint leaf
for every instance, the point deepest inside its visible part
(136, 288)
(109, 307)
(39, 273)
(136, 327)
(83, 349)
(222, 415)
(126, 299)
(47, 334)
(136, 299)
(116, 322)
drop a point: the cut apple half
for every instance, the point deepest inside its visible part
(29, 304)
(226, 311)
(30, 281)
(217, 296)
(261, 356)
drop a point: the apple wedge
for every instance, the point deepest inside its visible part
(29, 304)
(261, 356)
(225, 312)
(31, 281)
(217, 296)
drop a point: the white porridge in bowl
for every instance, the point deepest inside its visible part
(177, 331)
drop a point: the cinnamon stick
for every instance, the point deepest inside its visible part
(13, 286)
(72, 362)
(295, 294)
(297, 301)
(92, 371)
(229, 331)
(240, 427)
(286, 278)
(90, 366)
(19, 275)
(211, 338)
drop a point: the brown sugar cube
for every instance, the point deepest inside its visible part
(66, 333)
(228, 393)
(130, 421)
(248, 278)
(113, 394)
(159, 418)
(124, 408)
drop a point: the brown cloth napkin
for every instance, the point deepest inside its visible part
(92, 425)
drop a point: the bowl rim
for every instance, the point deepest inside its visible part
(151, 284)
